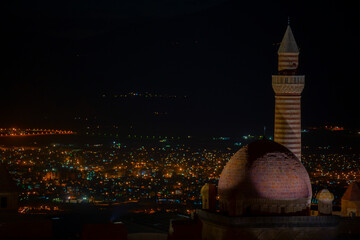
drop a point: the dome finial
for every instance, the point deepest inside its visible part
(288, 20)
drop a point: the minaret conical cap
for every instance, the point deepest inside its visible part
(288, 43)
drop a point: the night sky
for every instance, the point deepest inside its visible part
(68, 60)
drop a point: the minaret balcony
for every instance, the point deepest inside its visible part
(288, 84)
(288, 79)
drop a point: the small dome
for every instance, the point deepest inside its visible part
(324, 194)
(264, 170)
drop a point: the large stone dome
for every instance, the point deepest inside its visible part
(264, 177)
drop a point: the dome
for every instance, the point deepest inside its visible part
(261, 173)
(324, 194)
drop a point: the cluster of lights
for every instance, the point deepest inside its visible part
(166, 171)
(142, 94)
(14, 132)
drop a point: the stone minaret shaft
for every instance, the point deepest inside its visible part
(288, 86)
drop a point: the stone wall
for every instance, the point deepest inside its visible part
(220, 227)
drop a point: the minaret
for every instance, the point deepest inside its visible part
(288, 86)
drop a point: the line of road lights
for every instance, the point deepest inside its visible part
(14, 132)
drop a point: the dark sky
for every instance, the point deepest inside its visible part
(59, 59)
